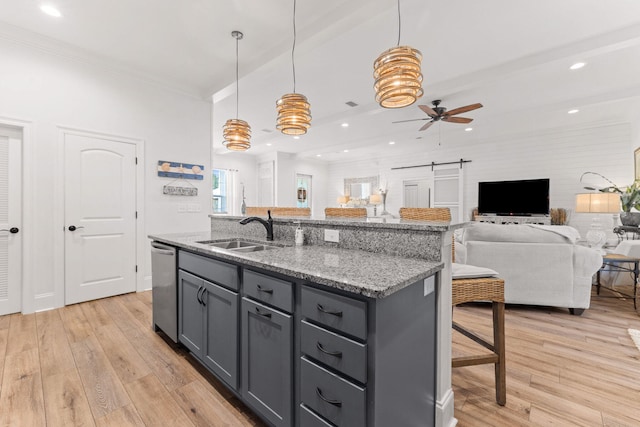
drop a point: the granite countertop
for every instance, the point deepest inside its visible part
(369, 274)
(379, 223)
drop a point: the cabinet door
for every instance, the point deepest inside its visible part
(221, 326)
(191, 312)
(267, 346)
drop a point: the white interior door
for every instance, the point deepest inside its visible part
(100, 217)
(10, 220)
(416, 194)
(448, 190)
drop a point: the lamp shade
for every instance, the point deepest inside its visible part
(598, 203)
(343, 199)
(294, 114)
(398, 77)
(375, 199)
(237, 135)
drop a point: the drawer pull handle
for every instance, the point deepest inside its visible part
(330, 353)
(267, 315)
(200, 289)
(266, 291)
(324, 310)
(329, 401)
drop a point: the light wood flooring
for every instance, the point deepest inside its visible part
(99, 363)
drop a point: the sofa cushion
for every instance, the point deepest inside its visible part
(520, 233)
(465, 271)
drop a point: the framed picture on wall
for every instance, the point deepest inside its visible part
(636, 163)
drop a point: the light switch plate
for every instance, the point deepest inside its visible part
(331, 236)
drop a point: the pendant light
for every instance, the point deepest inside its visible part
(294, 115)
(236, 132)
(397, 74)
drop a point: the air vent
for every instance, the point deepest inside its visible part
(351, 104)
(267, 130)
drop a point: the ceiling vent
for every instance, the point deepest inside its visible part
(267, 130)
(351, 104)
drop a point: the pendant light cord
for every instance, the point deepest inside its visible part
(293, 49)
(237, 84)
(399, 24)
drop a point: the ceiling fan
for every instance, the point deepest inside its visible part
(438, 113)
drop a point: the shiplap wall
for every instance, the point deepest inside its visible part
(559, 154)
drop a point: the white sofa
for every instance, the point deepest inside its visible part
(541, 265)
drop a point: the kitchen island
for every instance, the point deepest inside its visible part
(318, 334)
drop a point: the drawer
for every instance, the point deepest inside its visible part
(210, 269)
(275, 292)
(331, 396)
(335, 311)
(335, 351)
(310, 419)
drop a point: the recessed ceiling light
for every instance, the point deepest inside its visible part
(345, 125)
(572, 111)
(296, 137)
(318, 155)
(577, 66)
(268, 144)
(468, 129)
(392, 142)
(50, 10)
(345, 151)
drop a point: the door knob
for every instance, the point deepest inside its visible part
(12, 230)
(74, 228)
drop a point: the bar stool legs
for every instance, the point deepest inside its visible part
(497, 356)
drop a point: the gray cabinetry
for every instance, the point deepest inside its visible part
(208, 315)
(190, 312)
(267, 368)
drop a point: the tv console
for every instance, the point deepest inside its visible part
(512, 219)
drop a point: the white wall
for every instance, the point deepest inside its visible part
(559, 154)
(51, 91)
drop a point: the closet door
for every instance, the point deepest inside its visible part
(10, 220)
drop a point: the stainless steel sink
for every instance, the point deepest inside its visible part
(239, 245)
(232, 244)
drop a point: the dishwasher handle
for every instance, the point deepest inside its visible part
(163, 250)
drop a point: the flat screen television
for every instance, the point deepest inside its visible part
(519, 198)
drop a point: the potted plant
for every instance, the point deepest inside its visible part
(629, 199)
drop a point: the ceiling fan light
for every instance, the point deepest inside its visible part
(237, 135)
(398, 77)
(294, 115)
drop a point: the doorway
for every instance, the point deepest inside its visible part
(10, 219)
(100, 210)
(416, 193)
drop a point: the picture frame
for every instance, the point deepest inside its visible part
(636, 164)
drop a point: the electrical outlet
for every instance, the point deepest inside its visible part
(331, 236)
(429, 285)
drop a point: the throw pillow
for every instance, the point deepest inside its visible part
(465, 271)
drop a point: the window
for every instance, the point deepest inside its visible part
(220, 192)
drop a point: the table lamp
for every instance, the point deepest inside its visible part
(375, 200)
(597, 203)
(342, 200)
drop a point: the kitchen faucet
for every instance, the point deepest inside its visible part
(268, 224)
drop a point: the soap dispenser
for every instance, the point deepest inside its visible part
(299, 235)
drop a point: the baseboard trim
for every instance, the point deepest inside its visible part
(444, 411)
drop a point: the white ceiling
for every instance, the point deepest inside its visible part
(512, 56)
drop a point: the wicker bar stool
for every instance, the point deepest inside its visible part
(484, 289)
(426, 214)
(345, 212)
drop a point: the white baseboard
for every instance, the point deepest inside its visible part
(444, 411)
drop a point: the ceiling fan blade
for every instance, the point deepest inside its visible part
(426, 126)
(430, 111)
(457, 119)
(463, 109)
(412, 120)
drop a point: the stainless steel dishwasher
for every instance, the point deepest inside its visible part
(164, 289)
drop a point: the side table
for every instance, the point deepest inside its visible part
(617, 262)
